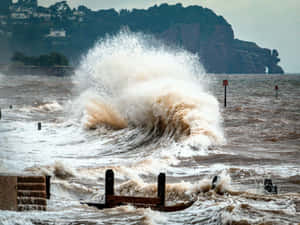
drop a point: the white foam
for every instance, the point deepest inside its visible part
(143, 81)
(49, 107)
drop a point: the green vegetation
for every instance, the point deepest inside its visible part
(36, 30)
(52, 59)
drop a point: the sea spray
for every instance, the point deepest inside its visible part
(135, 81)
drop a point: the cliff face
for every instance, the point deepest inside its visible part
(214, 51)
(219, 51)
(248, 57)
(194, 28)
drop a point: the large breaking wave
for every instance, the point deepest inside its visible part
(132, 80)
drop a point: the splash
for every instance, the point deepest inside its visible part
(58, 169)
(135, 81)
(48, 107)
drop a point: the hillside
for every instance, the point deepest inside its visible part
(35, 30)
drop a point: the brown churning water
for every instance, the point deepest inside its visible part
(140, 108)
(102, 114)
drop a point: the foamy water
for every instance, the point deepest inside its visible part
(140, 108)
(128, 81)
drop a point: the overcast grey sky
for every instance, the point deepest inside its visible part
(273, 24)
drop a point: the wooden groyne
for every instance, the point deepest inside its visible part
(156, 203)
(20, 193)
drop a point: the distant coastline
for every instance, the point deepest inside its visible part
(11, 69)
(34, 30)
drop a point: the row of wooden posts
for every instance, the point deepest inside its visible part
(225, 84)
(30, 192)
(156, 203)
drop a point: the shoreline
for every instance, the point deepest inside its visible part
(11, 69)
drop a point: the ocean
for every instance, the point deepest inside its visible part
(141, 108)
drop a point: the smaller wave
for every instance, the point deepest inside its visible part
(48, 107)
(58, 169)
(43, 107)
(177, 192)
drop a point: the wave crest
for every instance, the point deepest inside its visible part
(142, 83)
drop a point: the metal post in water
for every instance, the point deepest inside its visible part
(0, 114)
(10, 106)
(225, 84)
(109, 184)
(161, 188)
(276, 91)
(39, 125)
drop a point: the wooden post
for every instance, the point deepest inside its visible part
(39, 125)
(0, 114)
(225, 84)
(10, 107)
(109, 184)
(157, 203)
(276, 91)
(48, 187)
(161, 188)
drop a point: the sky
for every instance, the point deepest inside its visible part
(273, 24)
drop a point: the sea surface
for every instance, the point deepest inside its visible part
(140, 110)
